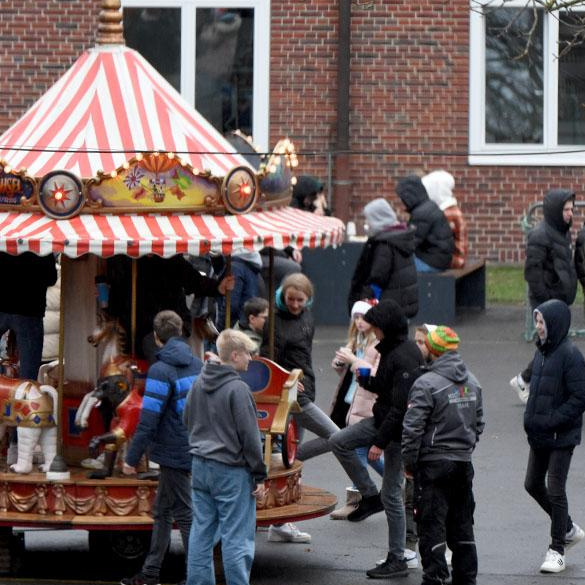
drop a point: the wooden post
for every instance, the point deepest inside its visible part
(133, 307)
(228, 294)
(271, 304)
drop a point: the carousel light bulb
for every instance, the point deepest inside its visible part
(295, 163)
(277, 160)
(170, 154)
(139, 156)
(114, 174)
(58, 195)
(126, 165)
(245, 189)
(7, 169)
(293, 181)
(272, 168)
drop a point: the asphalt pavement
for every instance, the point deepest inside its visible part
(511, 530)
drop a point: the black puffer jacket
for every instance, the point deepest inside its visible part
(400, 364)
(549, 269)
(387, 261)
(434, 243)
(293, 344)
(554, 413)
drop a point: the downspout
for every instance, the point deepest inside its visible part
(342, 182)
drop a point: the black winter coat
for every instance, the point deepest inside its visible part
(549, 269)
(554, 413)
(580, 257)
(400, 364)
(27, 277)
(293, 345)
(434, 242)
(387, 261)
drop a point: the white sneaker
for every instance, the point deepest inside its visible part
(521, 387)
(409, 556)
(287, 533)
(554, 562)
(448, 556)
(574, 536)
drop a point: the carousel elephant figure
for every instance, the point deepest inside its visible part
(126, 403)
(32, 409)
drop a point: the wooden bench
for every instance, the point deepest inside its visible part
(440, 294)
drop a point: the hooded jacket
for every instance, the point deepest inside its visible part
(400, 361)
(160, 430)
(445, 413)
(220, 416)
(549, 269)
(554, 412)
(293, 344)
(434, 243)
(386, 261)
(439, 186)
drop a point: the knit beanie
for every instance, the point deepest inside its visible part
(361, 308)
(379, 215)
(442, 339)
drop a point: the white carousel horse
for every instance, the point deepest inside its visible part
(32, 409)
(112, 336)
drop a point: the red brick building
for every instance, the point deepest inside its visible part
(396, 86)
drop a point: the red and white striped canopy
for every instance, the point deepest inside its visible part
(110, 105)
(165, 235)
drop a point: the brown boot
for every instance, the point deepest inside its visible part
(352, 499)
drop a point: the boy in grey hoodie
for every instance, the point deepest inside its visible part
(228, 472)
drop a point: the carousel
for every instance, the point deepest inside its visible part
(112, 161)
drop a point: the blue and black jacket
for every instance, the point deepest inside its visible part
(161, 431)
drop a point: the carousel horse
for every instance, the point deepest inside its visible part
(32, 409)
(111, 335)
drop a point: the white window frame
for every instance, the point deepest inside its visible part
(549, 153)
(261, 78)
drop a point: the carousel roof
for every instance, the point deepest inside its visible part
(165, 235)
(110, 105)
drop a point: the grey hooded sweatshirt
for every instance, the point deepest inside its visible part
(220, 416)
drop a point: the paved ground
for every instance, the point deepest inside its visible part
(511, 531)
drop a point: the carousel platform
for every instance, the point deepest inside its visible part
(122, 503)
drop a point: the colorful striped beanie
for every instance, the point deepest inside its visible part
(442, 339)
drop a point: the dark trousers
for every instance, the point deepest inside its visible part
(29, 340)
(551, 465)
(445, 507)
(172, 503)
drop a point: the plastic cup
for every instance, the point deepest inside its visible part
(103, 291)
(364, 373)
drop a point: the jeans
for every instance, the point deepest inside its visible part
(445, 507)
(552, 465)
(29, 340)
(172, 502)
(422, 266)
(315, 420)
(344, 445)
(223, 505)
(377, 465)
(246, 286)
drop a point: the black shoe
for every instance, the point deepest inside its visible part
(367, 506)
(389, 569)
(139, 579)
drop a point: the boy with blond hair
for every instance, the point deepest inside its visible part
(228, 471)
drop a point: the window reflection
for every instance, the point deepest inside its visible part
(571, 80)
(514, 85)
(156, 34)
(224, 67)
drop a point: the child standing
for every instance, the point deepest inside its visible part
(552, 420)
(351, 402)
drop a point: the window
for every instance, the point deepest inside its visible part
(216, 54)
(527, 94)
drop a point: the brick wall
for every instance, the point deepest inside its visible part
(39, 40)
(409, 97)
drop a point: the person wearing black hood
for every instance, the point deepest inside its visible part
(553, 420)
(434, 242)
(386, 269)
(549, 270)
(400, 361)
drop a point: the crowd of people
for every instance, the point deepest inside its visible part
(408, 410)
